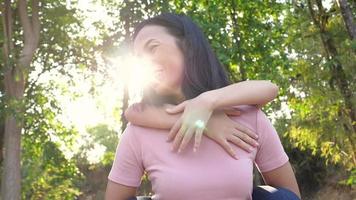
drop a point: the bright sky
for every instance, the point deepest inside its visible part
(89, 110)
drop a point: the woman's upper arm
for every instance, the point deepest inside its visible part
(271, 158)
(116, 191)
(128, 167)
(282, 177)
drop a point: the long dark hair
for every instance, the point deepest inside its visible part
(202, 69)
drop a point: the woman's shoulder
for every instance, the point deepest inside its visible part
(248, 116)
(141, 138)
(248, 111)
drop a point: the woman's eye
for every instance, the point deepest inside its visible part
(152, 48)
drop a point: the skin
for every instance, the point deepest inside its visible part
(159, 47)
(202, 107)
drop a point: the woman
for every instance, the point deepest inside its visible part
(190, 74)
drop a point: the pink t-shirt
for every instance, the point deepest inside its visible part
(209, 174)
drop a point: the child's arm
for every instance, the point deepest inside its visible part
(151, 116)
(201, 108)
(197, 111)
(243, 93)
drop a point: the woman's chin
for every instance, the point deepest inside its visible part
(161, 90)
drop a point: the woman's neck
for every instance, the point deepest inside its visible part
(178, 97)
(150, 96)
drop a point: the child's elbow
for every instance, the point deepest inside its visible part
(274, 90)
(128, 114)
(131, 112)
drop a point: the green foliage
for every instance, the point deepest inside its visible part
(253, 40)
(320, 120)
(48, 175)
(351, 180)
(102, 134)
(46, 172)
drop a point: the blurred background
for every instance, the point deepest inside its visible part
(66, 80)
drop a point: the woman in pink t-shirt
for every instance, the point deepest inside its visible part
(189, 74)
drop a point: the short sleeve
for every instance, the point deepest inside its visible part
(127, 168)
(270, 154)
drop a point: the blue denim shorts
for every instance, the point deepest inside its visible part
(259, 193)
(269, 193)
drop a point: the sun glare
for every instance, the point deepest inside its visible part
(90, 109)
(136, 73)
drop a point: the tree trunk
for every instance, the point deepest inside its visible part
(337, 71)
(11, 180)
(348, 18)
(2, 132)
(15, 75)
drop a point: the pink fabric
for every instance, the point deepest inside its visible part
(210, 173)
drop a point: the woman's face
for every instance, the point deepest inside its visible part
(155, 44)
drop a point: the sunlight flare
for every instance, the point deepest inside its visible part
(136, 73)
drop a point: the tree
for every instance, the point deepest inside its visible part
(348, 18)
(305, 47)
(15, 77)
(30, 107)
(321, 78)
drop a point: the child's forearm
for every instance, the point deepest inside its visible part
(150, 116)
(243, 93)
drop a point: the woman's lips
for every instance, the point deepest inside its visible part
(158, 71)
